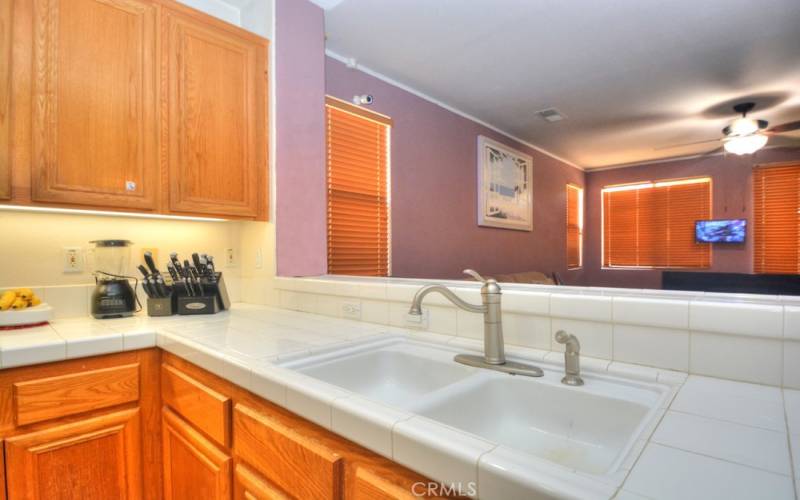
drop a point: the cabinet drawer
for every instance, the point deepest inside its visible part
(295, 463)
(52, 397)
(202, 406)
(249, 485)
(371, 486)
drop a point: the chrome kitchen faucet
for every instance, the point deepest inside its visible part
(493, 350)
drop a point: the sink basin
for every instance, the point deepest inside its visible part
(590, 429)
(577, 429)
(397, 374)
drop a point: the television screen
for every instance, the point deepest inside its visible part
(720, 231)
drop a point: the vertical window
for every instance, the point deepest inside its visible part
(776, 214)
(651, 224)
(358, 190)
(574, 226)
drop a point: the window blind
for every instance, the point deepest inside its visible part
(652, 224)
(358, 196)
(574, 226)
(776, 214)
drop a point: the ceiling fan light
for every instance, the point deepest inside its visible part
(743, 126)
(746, 145)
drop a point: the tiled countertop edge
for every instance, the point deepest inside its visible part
(403, 437)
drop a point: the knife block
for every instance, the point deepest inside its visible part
(161, 306)
(213, 300)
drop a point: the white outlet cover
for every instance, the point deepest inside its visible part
(351, 310)
(230, 257)
(73, 259)
(259, 258)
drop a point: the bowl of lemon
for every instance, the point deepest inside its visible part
(22, 307)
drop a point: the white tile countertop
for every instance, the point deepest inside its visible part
(715, 439)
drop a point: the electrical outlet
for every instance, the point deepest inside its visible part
(73, 259)
(351, 310)
(230, 258)
(259, 258)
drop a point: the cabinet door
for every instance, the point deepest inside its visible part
(250, 485)
(193, 466)
(5, 100)
(297, 463)
(96, 458)
(215, 133)
(94, 130)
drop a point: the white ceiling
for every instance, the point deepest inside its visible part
(630, 75)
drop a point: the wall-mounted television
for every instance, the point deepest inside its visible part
(720, 231)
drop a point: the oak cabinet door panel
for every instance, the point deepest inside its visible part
(92, 459)
(194, 467)
(216, 104)
(94, 134)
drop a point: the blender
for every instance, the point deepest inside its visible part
(113, 295)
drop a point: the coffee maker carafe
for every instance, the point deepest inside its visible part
(113, 295)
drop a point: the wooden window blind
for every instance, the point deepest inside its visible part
(776, 214)
(574, 226)
(358, 196)
(652, 224)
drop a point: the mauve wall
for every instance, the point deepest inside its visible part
(301, 219)
(434, 190)
(732, 195)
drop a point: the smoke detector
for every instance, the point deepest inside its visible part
(551, 115)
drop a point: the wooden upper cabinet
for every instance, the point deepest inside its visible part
(93, 129)
(214, 87)
(95, 458)
(5, 100)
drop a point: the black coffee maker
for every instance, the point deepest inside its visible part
(113, 296)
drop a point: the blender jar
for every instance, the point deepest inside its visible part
(112, 257)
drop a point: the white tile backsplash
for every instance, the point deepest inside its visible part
(659, 347)
(651, 312)
(757, 320)
(71, 301)
(748, 359)
(585, 307)
(738, 336)
(527, 331)
(595, 337)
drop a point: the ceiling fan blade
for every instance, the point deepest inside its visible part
(784, 127)
(686, 144)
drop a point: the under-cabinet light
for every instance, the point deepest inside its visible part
(107, 213)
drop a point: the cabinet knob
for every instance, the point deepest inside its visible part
(130, 186)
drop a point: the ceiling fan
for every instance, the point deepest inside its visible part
(745, 135)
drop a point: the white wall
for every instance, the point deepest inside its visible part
(252, 15)
(32, 250)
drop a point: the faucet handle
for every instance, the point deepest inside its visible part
(474, 274)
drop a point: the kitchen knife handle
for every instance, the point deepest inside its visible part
(148, 258)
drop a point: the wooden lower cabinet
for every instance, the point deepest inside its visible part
(147, 424)
(250, 485)
(194, 467)
(97, 458)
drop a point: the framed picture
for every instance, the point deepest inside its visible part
(505, 194)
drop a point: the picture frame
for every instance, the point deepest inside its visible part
(505, 189)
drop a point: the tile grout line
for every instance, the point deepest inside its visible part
(792, 458)
(790, 476)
